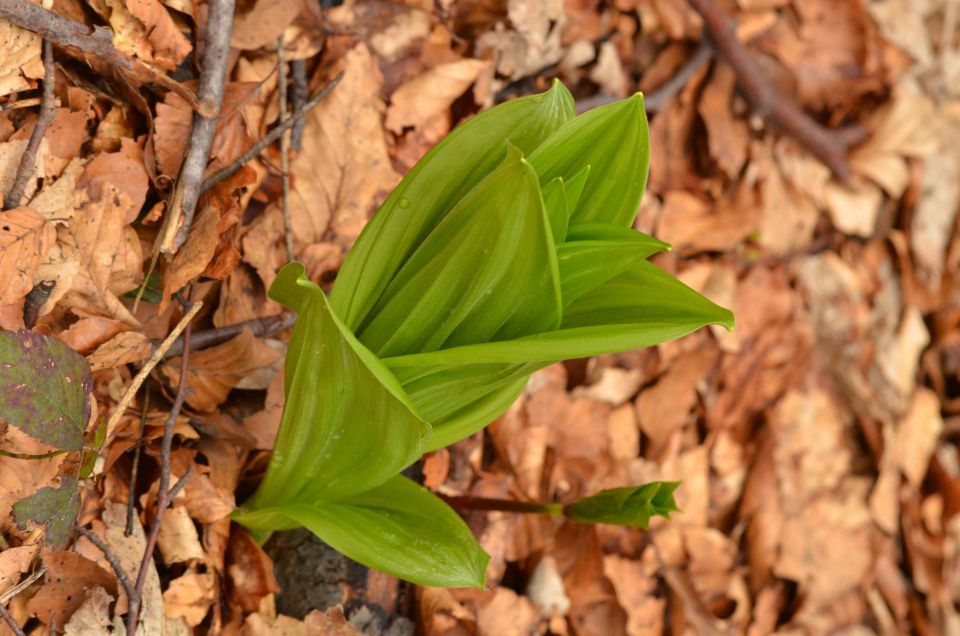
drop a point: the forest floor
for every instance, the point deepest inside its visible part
(817, 443)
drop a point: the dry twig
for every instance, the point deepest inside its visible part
(112, 559)
(135, 469)
(22, 585)
(260, 327)
(11, 621)
(284, 151)
(271, 136)
(213, 74)
(298, 96)
(164, 494)
(79, 40)
(830, 146)
(148, 367)
(48, 105)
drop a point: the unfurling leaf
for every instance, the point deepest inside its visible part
(631, 506)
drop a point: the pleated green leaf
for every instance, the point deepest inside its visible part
(631, 506)
(614, 141)
(641, 307)
(433, 187)
(399, 528)
(597, 252)
(488, 271)
(347, 425)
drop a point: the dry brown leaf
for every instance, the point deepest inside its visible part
(10, 153)
(126, 347)
(329, 623)
(917, 436)
(124, 170)
(190, 597)
(178, 540)
(214, 372)
(68, 575)
(635, 590)
(545, 589)
(19, 58)
(343, 167)
(534, 44)
(92, 618)
(431, 93)
(144, 28)
(87, 334)
(25, 238)
(506, 614)
(14, 562)
(196, 253)
(726, 133)
(687, 221)
(249, 571)
(262, 23)
(609, 72)
(265, 424)
(263, 244)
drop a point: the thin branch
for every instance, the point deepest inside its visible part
(48, 106)
(96, 42)
(135, 469)
(260, 327)
(11, 621)
(299, 94)
(22, 585)
(112, 559)
(271, 136)
(828, 145)
(148, 367)
(284, 150)
(177, 487)
(163, 489)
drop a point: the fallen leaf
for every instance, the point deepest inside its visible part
(636, 592)
(25, 238)
(190, 597)
(506, 614)
(431, 93)
(126, 347)
(917, 436)
(262, 23)
(19, 60)
(343, 166)
(144, 28)
(178, 540)
(92, 618)
(68, 576)
(249, 571)
(13, 563)
(329, 623)
(124, 170)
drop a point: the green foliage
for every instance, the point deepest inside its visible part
(506, 248)
(55, 508)
(631, 506)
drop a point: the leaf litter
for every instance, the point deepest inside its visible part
(816, 444)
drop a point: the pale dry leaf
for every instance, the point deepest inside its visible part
(190, 597)
(343, 167)
(214, 372)
(257, 624)
(107, 256)
(430, 94)
(609, 73)
(917, 436)
(664, 408)
(124, 170)
(727, 135)
(14, 562)
(407, 27)
(129, 551)
(263, 244)
(92, 618)
(898, 355)
(25, 238)
(506, 614)
(87, 334)
(123, 348)
(19, 58)
(178, 540)
(10, 153)
(263, 23)
(56, 201)
(329, 623)
(535, 41)
(854, 209)
(144, 29)
(545, 588)
(635, 589)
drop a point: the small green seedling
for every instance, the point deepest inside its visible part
(507, 248)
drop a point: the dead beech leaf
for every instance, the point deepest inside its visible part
(92, 618)
(196, 253)
(507, 614)
(664, 408)
(105, 255)
(144, 29)
(263, 23)
(635, 589)
(19, 58)
(124, 170)
(431, 93)
(265, 424)
(123, 348)
(178, 540)
(25, 238)
(10, 153)
(190, 597)
(727, 134)
(14, 562)
(214, 372)
(87, 334)
(917, 436)
(343, 167)
(609, 72)
(249, 571)
(329, 623)
(68, 576)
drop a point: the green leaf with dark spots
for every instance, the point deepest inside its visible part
(54, 508)
(44, 388)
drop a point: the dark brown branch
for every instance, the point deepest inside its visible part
(271, 136)
(829, 146)
(299, 93)
(213, 74)
(163, 489)
(259, 326)
(48, 106)
(79, 40)
(112, 559)
(11, 621)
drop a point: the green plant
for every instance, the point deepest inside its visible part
(508, 247)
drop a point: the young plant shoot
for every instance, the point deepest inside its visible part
(507, 248)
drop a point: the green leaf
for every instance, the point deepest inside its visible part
(400, 528)
(55, 508)
(347, 425)
(597, 252)
(488, 271)
(432, 188)
(631, 506)
(641, 307)
(460, 399)
(45, 387)
(613, 140)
